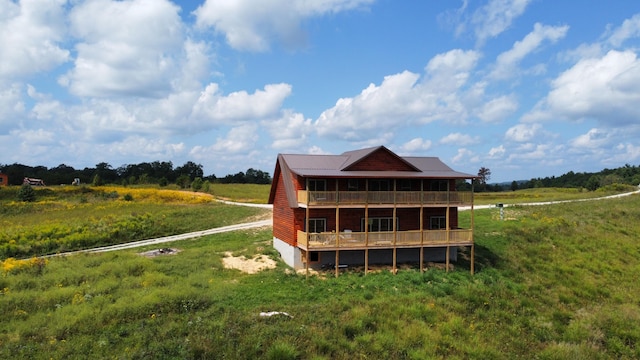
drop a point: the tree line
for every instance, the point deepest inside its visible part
(627, 174)
(158, 172)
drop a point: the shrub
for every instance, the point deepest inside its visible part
(26, 193)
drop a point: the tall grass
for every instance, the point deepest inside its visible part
(553, 282)
(73, 218)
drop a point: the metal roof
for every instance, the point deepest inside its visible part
(335, 166)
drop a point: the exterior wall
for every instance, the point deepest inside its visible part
(4, 179)
(408, 218)
(283, 215)
(381, 161)
(291, 255)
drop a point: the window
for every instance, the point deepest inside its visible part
(439, 185)
(352, 185)
(381, 224)
(379, 185)
(314, 257)
(405, 185)
(317, 225)
(317, 185)
(438, 222)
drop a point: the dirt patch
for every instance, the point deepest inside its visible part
(249, 266)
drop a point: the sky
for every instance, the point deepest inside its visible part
(525, 88)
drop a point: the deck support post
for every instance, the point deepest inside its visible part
(473, 255)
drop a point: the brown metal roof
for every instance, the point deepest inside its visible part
(336, 166)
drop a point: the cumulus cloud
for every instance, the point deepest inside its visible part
(496, 17)
(498, 109)
(416, 145)
(594, 138)
(239, 140)
(606, 89)
(31, 36)
(403, 100)
(12, 105)
(132, 56)
(507, 62)
(459, 139)
(497, 152)
(290, 131)
(250, 27)
(212, 106)
(523, 132)
(465, 156)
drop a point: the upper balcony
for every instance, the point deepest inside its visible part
(385, 198)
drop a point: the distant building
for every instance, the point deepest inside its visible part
(33, 182)
(4, 179)
(365, 207)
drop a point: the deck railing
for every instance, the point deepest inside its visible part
(386, 239)
(385, 197)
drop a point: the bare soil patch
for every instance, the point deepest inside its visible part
(250, 266)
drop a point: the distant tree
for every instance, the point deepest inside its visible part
(97, 181)
(514, 185)
(206, 186)
(191, 169)
(26, 193)
(484, 174)
(196, 185)
(593, 183)
(183, 181)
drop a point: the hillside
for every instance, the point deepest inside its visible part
(552, 282)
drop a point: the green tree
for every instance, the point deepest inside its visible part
(196, 185)
(26, 193)
(514, 185)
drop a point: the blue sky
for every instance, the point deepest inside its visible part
(526, 88)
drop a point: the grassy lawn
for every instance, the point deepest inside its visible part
(552, 282)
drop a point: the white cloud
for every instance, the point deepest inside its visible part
(497, 152)
(630, 28)
(290, 131)
(213, 107)
(416, 145)
(507, 62)
(12, 106)
(239, 139)
(495, 17)
(247, 26)
(31, 36)
(465, 156)
(523, 132)
(595, 138)
(606, 89)
(498, 109)
(135, 55)
(401, 100)
(459, 139)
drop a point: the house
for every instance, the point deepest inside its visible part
(4, 179)
(368, 206)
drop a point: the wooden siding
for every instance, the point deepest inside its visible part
(283, 215)
(381, 160)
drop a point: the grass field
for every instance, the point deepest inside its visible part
(73, 218)
(552, 282)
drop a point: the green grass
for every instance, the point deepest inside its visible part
(547, 194)
(552, 282)
(73, 218)
(250, 193)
